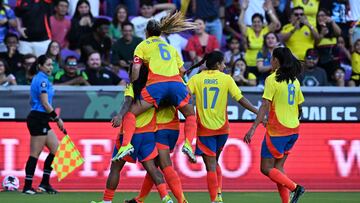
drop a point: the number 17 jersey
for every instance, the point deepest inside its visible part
(211, 89)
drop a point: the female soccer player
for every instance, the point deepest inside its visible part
(281, 99)
(144, 146)
(211, 88)
(166, 137)
(41, 94)
(164, 80)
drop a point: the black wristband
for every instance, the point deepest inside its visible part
(53, 114)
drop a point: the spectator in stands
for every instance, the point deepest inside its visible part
(201, 43)
(94, 6)
(255, 33)
(209, 11)
(123, 50)
(131, 6)
(241, 75)
(234, 52)
(60, 24)
(299, 31)
(339, 77)
(35, 34)
(232, 13)
(147, 10)
(6, 79)
(97, 40)
(313, 75)
(98, 75)
(253, 7)
(53, 52)
(71, 74)
(310, 7)
(344, 57)
(120, 16)
(7, 20)
(12, 55)
(326, 44)
(26, 73)
(81, 24)
(355, 63)
(263, 60)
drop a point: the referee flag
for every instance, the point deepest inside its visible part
(67, 158)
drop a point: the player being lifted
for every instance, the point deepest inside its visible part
(143, 142)
(211, 88)
(164, 80)
(281, 100)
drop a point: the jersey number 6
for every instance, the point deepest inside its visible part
(205, 96)
(165, 54)
(291, 95)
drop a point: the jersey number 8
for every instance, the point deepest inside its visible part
(165, 54)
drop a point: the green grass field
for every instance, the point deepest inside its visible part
(193, 197)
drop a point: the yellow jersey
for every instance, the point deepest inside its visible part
(355, 63)
(167, 118)
(145, 122)
(255, 44)
(211, 89)
(162, 60)
(310, 9)
(302, 35)
(284, 109)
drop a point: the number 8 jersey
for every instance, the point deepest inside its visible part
(162, 59)
(211, 89)
(285, 99)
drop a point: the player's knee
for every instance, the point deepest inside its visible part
(265, 170)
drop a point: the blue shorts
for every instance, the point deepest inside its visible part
(210, 145)
(166, 139)
(276, 147)
(144, 145)
(175, 93)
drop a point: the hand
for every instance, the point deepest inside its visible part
(3, 21)
(249, 135)
(245, 4)
(12, 50)
(265, 121)
(328, 19)
(81, 81)
(60, 125)
(116, 121)
(324, 31)
(305, 21)
(22, 32)
(297, 25)
(267, 5)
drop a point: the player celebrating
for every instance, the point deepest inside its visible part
(164, 80)
(144, 146)
(211, 88)
(282, 98)
(166, 137)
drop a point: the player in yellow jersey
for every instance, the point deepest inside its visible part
(211, 88)
(166, 137)
(164, 80)
(144, 147)
(282, 99)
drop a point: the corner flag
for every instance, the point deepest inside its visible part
(67, 158)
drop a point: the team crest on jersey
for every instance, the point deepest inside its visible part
(43, 84)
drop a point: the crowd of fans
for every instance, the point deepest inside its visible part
(92, 42)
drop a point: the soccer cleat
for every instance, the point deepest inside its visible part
(123, 151)
(295, 195)
(30, 191)
(133, 200)
(48, 189)
(188, 151)
(219, 198)
(167, 199)
(97, 202)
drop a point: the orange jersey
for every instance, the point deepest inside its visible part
(162, 60)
